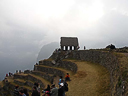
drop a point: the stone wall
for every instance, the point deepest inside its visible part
(45, 76)
(63, 64)
(27, 71)
(49, 70)
(29, 77)
(106, 59)
(41, 74)
(28, 83)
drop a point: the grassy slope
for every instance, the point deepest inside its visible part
(90, 80)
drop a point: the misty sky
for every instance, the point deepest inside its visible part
(27, 25)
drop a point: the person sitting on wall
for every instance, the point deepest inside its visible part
(60, 80)
(67, 77)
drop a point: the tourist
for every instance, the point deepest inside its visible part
(61, 91)
(65, 86)
(6, 80)
(84, 47)
(35, 92)
(9, 74)
(6, 75)
(67, 77)
(54, 90)
(47, 91)
(25, 92)
(35, 84)
(16, 91)
(61, 78)
(38, 88)
(21, 92)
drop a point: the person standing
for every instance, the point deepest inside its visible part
(61, 91)
(54, 90)
(84, 47)
(35, 92)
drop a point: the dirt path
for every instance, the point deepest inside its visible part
(90, 80)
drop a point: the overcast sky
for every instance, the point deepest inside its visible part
(27, 25)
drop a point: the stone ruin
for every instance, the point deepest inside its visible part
(69, 43)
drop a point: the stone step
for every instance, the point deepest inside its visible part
(45, 82)
(19, 81)
(12, 84)
(46, 76)
(30, 77)
(68, 65)
(20, 76)
(49, 70)
(24, 82)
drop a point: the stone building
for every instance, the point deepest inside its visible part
(69, 43)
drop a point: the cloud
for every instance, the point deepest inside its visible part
(38, 23)
(26, 26)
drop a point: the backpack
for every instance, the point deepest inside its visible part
(65, 86)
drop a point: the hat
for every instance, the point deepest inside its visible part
(61, 84)
(53, 85)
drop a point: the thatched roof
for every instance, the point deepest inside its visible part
(69, 41)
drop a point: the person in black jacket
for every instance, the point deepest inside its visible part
(61, 91)
(35, 92)
(25, 92)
